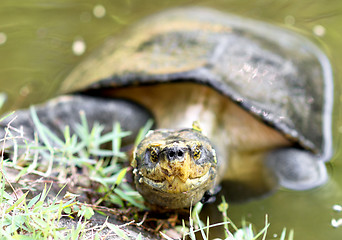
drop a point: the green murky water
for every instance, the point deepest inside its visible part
(36, 53)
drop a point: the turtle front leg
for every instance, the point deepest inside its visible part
(297, 169)
(56, 114)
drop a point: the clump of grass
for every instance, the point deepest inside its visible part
(41, 217)
(38, 217)
(196, 229)
(81, 150)
(78, 159)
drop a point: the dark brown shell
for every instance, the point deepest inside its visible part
(277, 75)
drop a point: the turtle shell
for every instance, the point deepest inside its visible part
(278, 76)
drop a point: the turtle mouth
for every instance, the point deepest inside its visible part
(177, 193)
(175, 184)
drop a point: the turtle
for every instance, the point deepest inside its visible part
(233, 100)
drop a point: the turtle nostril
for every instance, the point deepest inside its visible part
(172, 154)
(175, 153)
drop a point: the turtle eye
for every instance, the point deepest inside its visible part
(197, 152)
(154, 154)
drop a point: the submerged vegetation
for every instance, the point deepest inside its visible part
(78, 179)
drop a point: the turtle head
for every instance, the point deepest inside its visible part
(173, 169)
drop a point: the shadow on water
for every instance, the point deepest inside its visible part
(36, 45)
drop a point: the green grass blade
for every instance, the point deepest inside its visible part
(53, 137)
(116, 141)
(223, 208)
(84, 122)
(291, 235)
(17, 203)
(3, 98)
(283, 234)
(201, 228)
(110, 136)
(33, 201)
(165, 236)
(142, 133)
(6, 116)
(121, 176)
(208, 223)
(264, 230)
(116, 200)
(129, 199)
(117, 231)
(40, 128)
(139, 237)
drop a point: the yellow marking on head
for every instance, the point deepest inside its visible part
(196, 126)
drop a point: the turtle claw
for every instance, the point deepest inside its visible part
(210, 195)
(297, 169)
